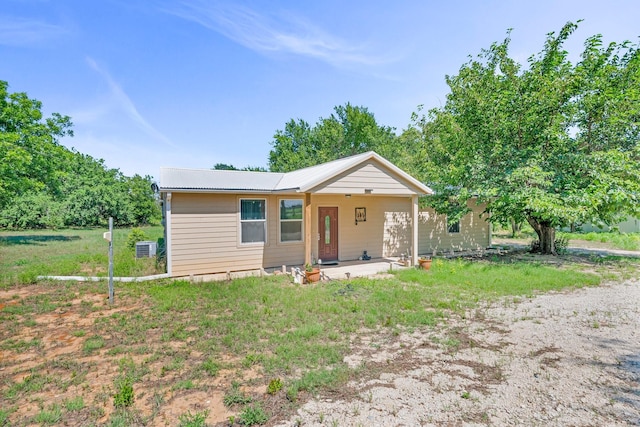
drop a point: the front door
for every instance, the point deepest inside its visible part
(328, 229)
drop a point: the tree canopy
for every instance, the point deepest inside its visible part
(349, 130)
(553, 143)
(45, 185)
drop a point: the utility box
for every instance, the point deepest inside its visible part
(146, 249)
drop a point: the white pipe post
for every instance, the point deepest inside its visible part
(111, 260)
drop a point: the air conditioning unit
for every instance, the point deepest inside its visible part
(146, 249)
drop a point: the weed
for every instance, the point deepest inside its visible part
(183, 385)
(93, 343)
(79, 333)
(123, 397)
(275, 385)
(210, 367)
(193, 420)
(253, 414)
(466, 395)
(74, 404)
(235, 396)
(50, 416)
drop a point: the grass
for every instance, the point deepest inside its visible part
(625, 241)
(24, 255)
(175, 337)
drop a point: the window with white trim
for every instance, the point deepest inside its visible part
(253, 220)
(291, 213)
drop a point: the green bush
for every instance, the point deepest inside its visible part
(32, 211)
(136, 235)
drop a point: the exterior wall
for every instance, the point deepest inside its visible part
(631, 225)
(474, 231)
(205, 236)
(371, 235)
(366, 176)
(205, 239)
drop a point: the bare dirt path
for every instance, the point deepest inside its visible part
(559, 359)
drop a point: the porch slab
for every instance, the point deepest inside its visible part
(349, 269)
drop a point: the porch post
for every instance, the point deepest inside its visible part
(414, 229)
(307, 228)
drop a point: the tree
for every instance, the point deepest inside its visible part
(349, 130)
(555, 143)
(29, 148)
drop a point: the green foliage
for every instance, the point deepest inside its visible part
(37, 210)
(123, 396)
(553, 143)
(253, 415)
(235, 396)
(45, 185)
(349, 130)
(275, 385)
(199, 419)
(136, 235)
(50, 416)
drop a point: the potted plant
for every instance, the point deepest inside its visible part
(311, 273)
(425, 263)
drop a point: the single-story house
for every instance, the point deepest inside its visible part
(219, 221)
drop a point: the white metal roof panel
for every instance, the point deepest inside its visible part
(221, 180)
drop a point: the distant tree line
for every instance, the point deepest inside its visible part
(45, 185)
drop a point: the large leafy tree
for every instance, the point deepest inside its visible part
(349, 130)
(553, 143)
(29, 148)
(45, 185)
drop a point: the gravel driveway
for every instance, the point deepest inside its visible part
(559, 359)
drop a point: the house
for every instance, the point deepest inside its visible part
(219, 221)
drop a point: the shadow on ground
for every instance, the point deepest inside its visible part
(34, 240)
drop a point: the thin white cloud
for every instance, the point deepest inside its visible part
(16, 31)
(126, 105)
(288, 34)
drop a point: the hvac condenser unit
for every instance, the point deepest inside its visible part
(146, 249)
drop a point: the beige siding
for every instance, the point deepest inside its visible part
(367, 176)
(374, 235)
(205, 236)
(434, 235)
(205, 232)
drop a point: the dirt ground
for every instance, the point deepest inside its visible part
(569, 358)
(559, 359)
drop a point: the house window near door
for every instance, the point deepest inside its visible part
(327, 230)
(291, 220)
(253, 220)
(454, 227)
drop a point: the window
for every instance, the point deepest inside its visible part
(454, 227)
(291, 220)
(253, 220)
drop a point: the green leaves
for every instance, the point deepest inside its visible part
(555, 142)
(45, 185)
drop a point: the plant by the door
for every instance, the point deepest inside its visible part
(425, 263)
(311, 273)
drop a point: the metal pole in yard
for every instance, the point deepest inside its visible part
(110, 260)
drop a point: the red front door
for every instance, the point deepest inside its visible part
(328, 229)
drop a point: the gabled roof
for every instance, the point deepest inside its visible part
(302, 180)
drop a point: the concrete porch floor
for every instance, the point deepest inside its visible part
(358, 268)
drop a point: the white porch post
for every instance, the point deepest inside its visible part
(167, 227)
(414, 229)
(307, 228)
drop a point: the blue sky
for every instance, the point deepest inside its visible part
(192, 83)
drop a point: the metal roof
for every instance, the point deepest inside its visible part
(301, 180)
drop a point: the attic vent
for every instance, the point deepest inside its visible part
(146, 249)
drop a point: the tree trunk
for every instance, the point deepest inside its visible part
(516, 227)
(546, 236)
